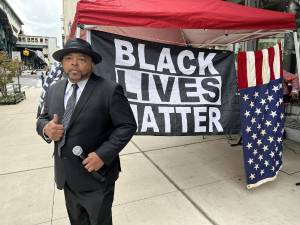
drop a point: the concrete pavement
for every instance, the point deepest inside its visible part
(165, 180)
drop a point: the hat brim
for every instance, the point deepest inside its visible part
(58, 55)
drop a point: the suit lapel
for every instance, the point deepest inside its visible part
(60, 93)
(87, 91)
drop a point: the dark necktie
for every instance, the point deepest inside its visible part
(67, 115)
(70, 106)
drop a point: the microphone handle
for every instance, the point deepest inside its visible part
(82, 156)
(97, 175)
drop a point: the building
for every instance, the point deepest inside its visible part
(69, 10)
(10, 27)
(38, 50)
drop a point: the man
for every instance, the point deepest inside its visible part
(87, 111)
(290, 86)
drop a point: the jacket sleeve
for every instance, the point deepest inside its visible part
(43, 119)
(124, 127)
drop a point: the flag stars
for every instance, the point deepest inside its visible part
(252, 176)
(270, 139)
(273, 114)
(279, 139)
(268, 123)
(259, 142)
(263, 132)
(254, 151)
(267, 108)
(250, 161)
(245, 97)
(263, 122)
(249, 145)
(265, 148)
(263, 101)
(275, 88)
(248, 129)
(266, 163)
(270, 98)
(258, 111)
(247, 114)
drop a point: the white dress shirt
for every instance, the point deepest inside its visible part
(81, 84)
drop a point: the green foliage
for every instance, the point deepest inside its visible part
(8, 69)
(12, 99)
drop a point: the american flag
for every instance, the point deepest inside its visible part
(262, 113)
(54, 75)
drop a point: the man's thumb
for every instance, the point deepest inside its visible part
(55, 118)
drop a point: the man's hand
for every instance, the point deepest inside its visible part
(93, 162)
(54, 130)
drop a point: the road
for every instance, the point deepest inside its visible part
(26, 81)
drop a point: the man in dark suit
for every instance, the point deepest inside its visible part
(88, 111)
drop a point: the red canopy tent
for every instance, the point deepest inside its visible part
(199, 23)
(202, 23)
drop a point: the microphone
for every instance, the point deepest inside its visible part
(77, 150)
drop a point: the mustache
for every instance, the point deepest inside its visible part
(74, 70)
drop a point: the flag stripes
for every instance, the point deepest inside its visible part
(259, 67)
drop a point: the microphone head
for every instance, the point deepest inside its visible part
(77, 150)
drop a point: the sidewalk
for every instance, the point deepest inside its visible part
(165, 180)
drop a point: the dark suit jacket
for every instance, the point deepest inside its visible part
(102, 122)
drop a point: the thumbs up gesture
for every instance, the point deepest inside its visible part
(54, 129)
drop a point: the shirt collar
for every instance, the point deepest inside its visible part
(81, 84)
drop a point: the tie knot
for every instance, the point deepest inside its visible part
(74, 86)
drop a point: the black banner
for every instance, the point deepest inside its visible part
(172, 90)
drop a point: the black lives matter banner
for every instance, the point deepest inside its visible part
(172, 90)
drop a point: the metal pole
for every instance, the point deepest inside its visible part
(297, 51)
(19, 85)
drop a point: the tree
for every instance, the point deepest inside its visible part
(8, 69)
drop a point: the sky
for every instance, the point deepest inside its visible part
(40, 17)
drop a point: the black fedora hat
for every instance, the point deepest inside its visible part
(77, 45)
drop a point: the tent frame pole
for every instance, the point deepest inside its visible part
(77, 32)
(297, 51)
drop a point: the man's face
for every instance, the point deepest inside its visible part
(77, 66)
